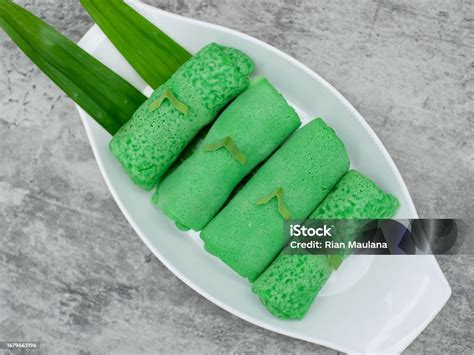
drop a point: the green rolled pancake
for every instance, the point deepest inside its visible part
(357, 197)
(290, 284)
(258, 121)
(162, 126)
(247, 236)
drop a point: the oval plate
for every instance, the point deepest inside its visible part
(371, 304)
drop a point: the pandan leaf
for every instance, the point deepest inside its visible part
(168, 94)
(278, 193)
(104, 95)
(153, 54)
(230, 145)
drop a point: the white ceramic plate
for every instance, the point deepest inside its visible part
(371, 304)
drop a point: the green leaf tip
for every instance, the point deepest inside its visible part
(230, 145)
(154, 55)
(168, 94)
(278, 193)
(104, 95)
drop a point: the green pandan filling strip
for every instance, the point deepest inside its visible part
(335, 261)
(168, 94)
(278, 193)
(230, 145)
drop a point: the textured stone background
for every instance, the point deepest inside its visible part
(74, 274)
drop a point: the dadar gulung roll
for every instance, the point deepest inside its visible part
(164, 124)
(248, 233)
(245, 134)
(290, 284)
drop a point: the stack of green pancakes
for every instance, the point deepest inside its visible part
(252, 171)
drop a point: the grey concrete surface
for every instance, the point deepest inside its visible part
(74, 275)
